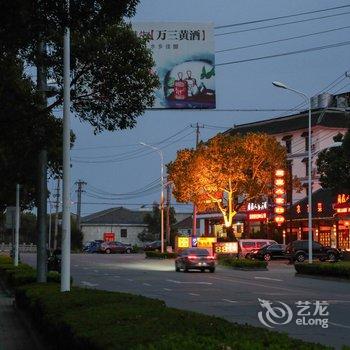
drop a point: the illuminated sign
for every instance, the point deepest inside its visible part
(109, 236)
(183, 242)
(257, 206)
(298, 209)
(343, 198)
(226, 248)
(319, 207)
(205, 242)
(262, 216)
(342, 207)
(279, 197)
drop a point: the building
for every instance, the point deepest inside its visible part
(292, 132)
(114, 224)
(117, 224)
(185, 226)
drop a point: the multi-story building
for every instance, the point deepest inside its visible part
(292, 132)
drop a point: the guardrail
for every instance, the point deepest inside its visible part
(23, 248)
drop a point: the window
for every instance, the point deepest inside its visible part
(248, 244)
(123, 233)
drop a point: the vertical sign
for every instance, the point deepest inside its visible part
(279, 197)
(184, 62)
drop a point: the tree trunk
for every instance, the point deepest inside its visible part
(230, 234)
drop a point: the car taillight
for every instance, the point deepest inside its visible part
(192, 257)
(211, 257)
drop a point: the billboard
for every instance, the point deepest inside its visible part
(184, 62)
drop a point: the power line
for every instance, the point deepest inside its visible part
(281, 40)
(343, 43)
(280, 17)
(283, 24)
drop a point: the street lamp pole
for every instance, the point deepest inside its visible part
(308, 101)
(161, 193)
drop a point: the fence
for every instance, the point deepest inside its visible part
(23, 248)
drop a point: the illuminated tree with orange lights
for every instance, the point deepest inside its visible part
(227, 172)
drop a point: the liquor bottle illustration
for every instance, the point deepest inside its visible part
(191, 84)
(180, 88)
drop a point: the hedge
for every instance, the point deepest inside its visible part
(340, 269)
(95, 319)
(159, 255)
(232, 261)
(15, 276)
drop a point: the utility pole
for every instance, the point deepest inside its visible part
(80, 184)
(57, 206)
(194, 225)
(16, 257)
(168, 198)
(42, 178)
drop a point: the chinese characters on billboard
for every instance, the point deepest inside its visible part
(184, 62)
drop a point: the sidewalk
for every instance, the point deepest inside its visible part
(14, 334)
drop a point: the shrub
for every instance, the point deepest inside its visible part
(339, 269)
(160, 255)
(231, 261)
(95, 319)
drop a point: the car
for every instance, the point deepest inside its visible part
(151, 246)
(195, 259)
(269, 252)
(92, 247)
(299, 251)
(54, 260)
(115, 247)
(246, 246)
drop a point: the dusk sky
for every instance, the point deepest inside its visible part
(113, 164)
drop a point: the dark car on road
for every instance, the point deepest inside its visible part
(152, 246)
(54, 260)
(299, 251)
(92, 247)
(115, 247)
(195, 259)
(269, 252)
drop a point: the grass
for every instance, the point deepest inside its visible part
(340, 269)
(231, 261)
(93, 319)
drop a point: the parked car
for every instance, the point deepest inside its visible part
(196, 259)
(155, 245)
(92, 247)
(269, 252)
(246, 246)
(299, 251)
(115, 247)
(54, 260)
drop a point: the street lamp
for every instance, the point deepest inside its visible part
(308, 101)
(161, 193)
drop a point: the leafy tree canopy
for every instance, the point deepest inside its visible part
(24, 130)
(226, 172)
(333, 165)
(110, 66)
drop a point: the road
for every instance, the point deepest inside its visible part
(227, 293)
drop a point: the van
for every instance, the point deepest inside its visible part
(245, 246)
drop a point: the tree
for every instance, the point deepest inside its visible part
(333, 165)
(22, 136)
(227, 172)
(110, 66)
(153, 221)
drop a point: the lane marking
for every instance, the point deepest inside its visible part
(268, 279)
(230, 301)
(89, 284)
(194, 294)
(96, 271)
(146, 284)
(339, 325)
(76, 265)
(130, 279)
(116, 276)
(167, 289)
(181, 282)
(86, 268)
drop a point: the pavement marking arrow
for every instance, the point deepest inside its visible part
(268, 279)
(230, 301)
(89, 284)
(181, 282)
